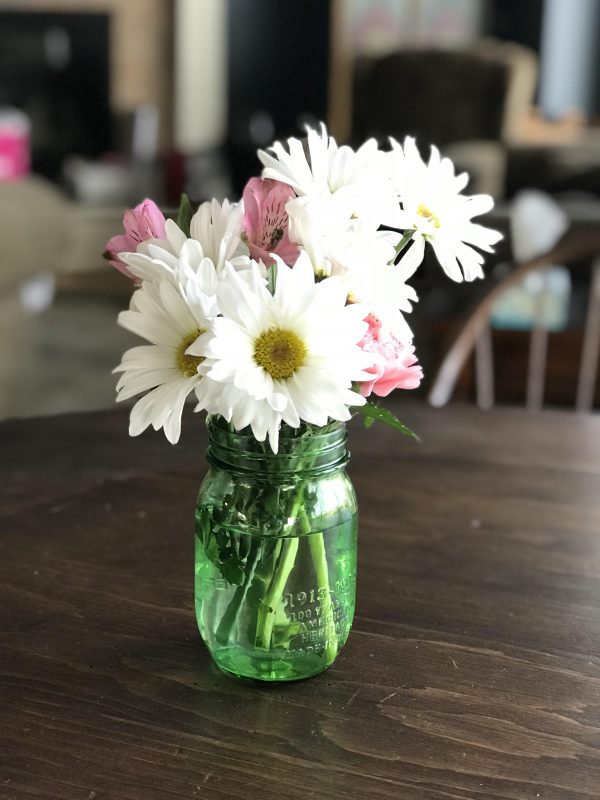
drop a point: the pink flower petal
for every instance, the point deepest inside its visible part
(394, 363)
(266, 221)
(141, 223)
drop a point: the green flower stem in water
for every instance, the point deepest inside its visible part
(267, 612)
(319, 559)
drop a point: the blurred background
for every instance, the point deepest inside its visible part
(105, 102)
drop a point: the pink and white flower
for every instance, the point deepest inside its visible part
(142, 223)
(394, 364)
(266, 221)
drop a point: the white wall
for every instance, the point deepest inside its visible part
(379, 26)
(200, 103)
(568, 56)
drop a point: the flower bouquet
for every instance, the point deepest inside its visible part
(283, 315)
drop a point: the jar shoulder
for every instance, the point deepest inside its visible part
(281, 507)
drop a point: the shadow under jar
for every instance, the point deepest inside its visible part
(275, 567)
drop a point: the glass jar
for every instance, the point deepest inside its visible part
(275, 569)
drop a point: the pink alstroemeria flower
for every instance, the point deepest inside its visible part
(266, 221)
(141, 223)
(394, 364)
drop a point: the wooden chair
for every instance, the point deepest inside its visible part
(475, 335)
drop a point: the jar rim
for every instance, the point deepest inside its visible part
(305, 450)
(285, 432)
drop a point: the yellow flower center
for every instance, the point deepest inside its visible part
(279, 352)
(427, 213)
(188, 365)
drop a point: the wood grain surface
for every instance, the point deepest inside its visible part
(472, 672)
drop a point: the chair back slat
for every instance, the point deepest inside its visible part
(538, 349)
(591, 346)
(484, 369)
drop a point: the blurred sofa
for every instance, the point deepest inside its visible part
(44, 233)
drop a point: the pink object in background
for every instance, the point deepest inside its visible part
(15, 161)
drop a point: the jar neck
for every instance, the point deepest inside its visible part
(302, 451)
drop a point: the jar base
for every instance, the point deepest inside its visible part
(267, 667)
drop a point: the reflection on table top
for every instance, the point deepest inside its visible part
(473, 669)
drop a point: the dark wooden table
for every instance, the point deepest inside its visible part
(473, 669)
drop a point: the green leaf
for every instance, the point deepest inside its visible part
(402, 244)
(373, 413)
(272, 503)
(217, 546)
(184, 215)
(232, 569)
(272, 278)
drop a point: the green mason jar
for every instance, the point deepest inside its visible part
(275, 570)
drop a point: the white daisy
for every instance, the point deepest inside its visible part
(218, 230)
(337, 243)
(191, 269)
(159, 263)
(174, 240)
(355, 183)
(287, 357)
(433, 207)
(171, 318)
(362, 258)
(382, 288)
